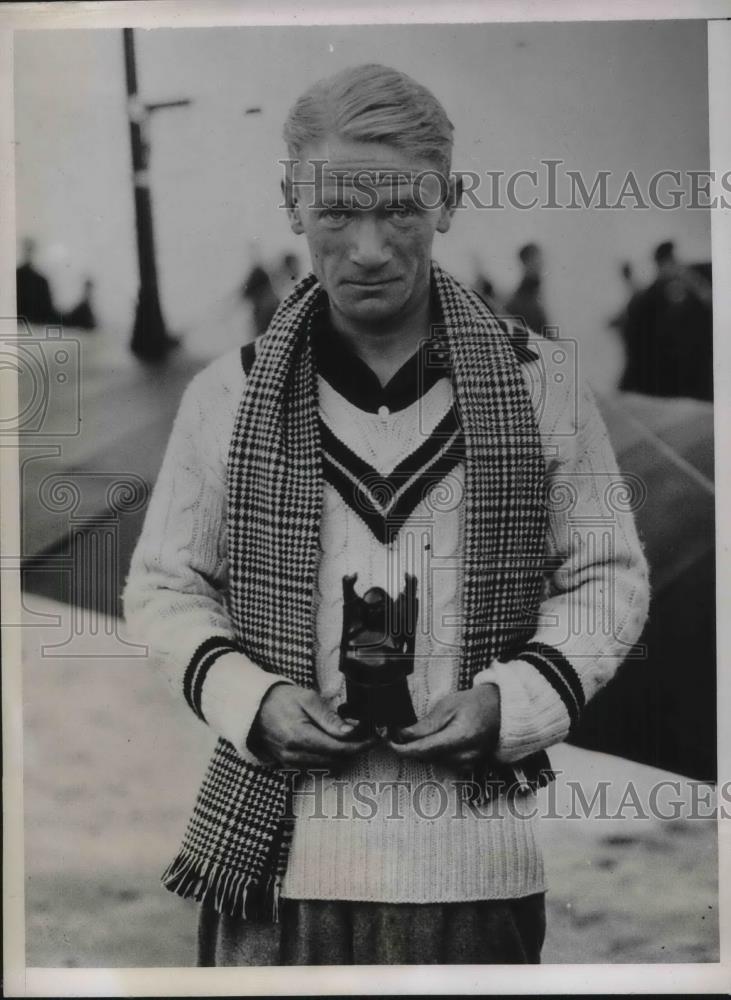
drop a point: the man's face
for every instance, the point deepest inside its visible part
(369, 227)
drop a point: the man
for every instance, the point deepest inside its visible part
(259, 291)
(386, 439)
(35, 301)
(82, 316)
(669, 332)
(526, 302)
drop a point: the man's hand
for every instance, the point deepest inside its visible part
(296, 728)
(460, 730)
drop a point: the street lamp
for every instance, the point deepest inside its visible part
(150, 338)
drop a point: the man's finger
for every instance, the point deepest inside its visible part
(434, 722)
(315, 740)
(428, 747)
(327, 720)
(322, 751)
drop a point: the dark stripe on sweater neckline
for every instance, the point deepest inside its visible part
(385, 502)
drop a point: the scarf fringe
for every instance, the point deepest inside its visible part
(236, 894)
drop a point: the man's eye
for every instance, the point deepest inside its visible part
(337, 215)
(402, 212)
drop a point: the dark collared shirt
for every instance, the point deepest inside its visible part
(349, 375)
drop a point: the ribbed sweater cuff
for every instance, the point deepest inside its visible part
(232, 693)
(533, 715)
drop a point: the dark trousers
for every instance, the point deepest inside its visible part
(324, 932)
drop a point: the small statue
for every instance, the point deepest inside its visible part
(377, 655)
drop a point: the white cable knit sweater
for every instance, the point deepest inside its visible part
(347, 843)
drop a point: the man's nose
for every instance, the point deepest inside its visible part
(370, 247)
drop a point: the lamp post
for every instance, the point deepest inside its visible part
(150, 338)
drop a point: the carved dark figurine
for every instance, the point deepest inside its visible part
(377, 655)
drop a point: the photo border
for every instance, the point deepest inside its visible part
(546, 979)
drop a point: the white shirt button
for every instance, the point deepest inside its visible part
(383, 412)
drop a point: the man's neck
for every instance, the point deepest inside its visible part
(387, 347)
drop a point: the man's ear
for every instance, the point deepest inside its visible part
(293, 211)
(450, 204)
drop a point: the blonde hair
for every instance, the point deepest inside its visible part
(372, 103)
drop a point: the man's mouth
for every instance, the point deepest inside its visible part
(360, 283)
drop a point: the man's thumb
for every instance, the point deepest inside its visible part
(330, 721)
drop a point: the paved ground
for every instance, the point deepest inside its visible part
(109, 416)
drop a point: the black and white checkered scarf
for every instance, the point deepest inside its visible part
(234, 853)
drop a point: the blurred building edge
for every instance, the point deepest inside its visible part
(33, 289)
(667, 330)
(660, 708)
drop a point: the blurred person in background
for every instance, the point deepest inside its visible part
(259, 292)
(526, 302)
(338, 450)
(619, 320)
(82, 316)
(34, 298)
(669, 332)
(484, 286)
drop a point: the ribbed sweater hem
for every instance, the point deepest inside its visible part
(443, 898)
